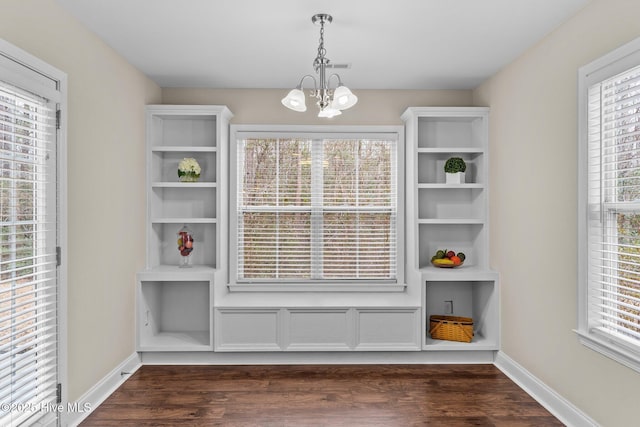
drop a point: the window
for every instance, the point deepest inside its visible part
(30, 275)
(316, 208)
(610, 205)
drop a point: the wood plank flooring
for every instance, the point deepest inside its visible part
(326, 395)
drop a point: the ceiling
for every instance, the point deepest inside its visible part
(399, 44)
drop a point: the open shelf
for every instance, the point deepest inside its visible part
(451, 150)
(443, 186)
(451, 132)
(179, 340)
(174, 315)
(468, 298)
(186, 130)
(465, 272)
(451, 221)
(198, 184)
(478, 343)
(455, 235)
(183, 202)
(163, 249)
(164, 165)
(183, 220)
(469, 202)
(184, 149)
(431, 167)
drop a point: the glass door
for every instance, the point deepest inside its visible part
(28, 259)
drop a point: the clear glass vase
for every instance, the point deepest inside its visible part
(185, 246)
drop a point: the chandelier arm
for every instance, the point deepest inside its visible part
(336, 75)
(315, 84)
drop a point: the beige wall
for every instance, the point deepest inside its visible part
(106, 206)
(262, 106)
(534, 210)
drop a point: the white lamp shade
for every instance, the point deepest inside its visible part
(329, 112)
(295, 100)
(343, 98)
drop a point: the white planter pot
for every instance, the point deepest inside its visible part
(455, 178)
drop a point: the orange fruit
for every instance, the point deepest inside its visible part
(456, 260)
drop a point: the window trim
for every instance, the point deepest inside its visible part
(315, 132)
(611, 64)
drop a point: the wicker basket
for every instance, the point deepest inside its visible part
(451, 328)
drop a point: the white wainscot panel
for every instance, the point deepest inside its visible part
(247, 329)
(388, 329)
(321, 329)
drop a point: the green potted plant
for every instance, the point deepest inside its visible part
(454, 169)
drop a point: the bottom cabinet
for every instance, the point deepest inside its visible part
(477, 299)
(174, 314)
(325, 329)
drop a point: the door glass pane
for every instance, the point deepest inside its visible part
(28, 277)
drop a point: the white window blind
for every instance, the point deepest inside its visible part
(28, 355)
(316, 209)
(614, 208)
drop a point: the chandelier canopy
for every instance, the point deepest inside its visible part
(330, 101)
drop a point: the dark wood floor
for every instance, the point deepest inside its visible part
(351, 395)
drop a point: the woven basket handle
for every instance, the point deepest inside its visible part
(435, 328)
(470, 336)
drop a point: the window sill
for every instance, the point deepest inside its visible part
(315, 287)
(610, 349)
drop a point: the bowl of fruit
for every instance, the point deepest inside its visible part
(447, 259)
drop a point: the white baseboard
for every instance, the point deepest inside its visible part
(560, 407)
(318, 357)
(99, 392)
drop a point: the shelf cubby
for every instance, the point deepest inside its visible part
(190, 129)
(475, 299)
(444, 203)
(431, 166)
(183, 201)
(459, 237)
(451, 131)
(175, 315)
(164, 164)
(164, 247)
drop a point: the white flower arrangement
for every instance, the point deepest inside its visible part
(188, 168)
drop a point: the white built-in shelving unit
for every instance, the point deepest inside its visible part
(194, 310)
(175, 304)
(451, 216)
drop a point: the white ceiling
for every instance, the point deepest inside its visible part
(399, 44)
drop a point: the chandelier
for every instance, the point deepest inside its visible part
(330, 101)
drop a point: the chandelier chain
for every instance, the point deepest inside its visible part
(321, 49)
(329, 107)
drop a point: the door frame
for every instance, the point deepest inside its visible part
(25, 70)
